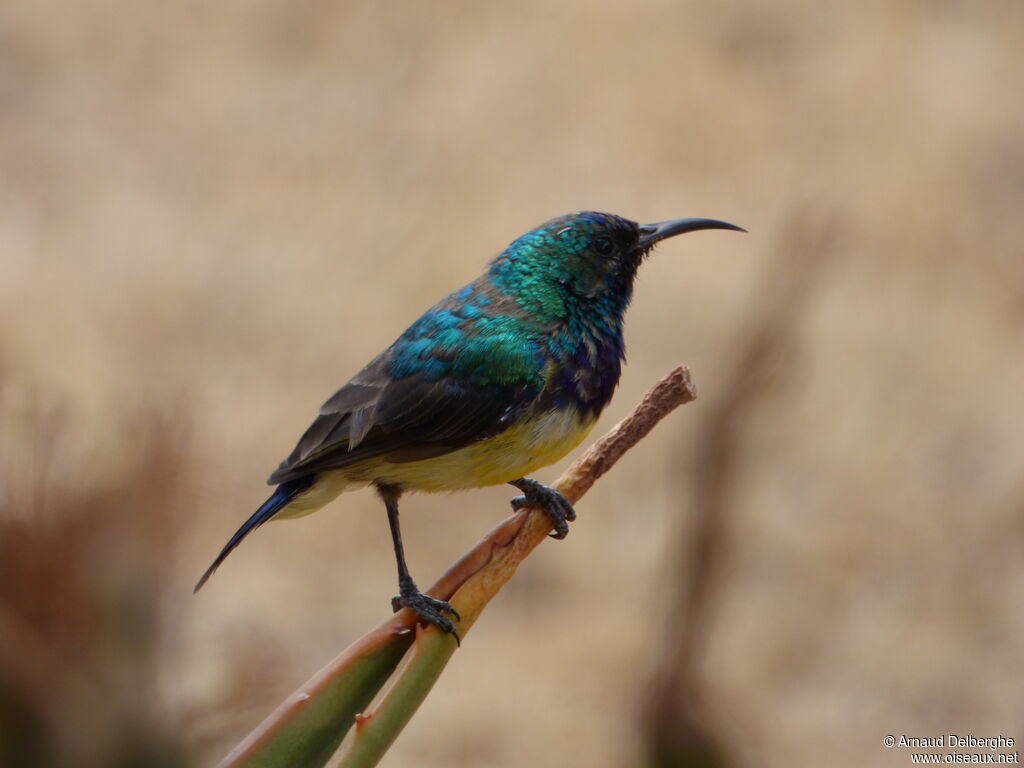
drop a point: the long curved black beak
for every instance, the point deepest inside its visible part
(652, 233)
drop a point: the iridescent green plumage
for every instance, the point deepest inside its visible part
(496, 380)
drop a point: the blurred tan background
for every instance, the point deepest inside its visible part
(212, 214)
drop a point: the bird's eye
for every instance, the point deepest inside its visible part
(604, 245)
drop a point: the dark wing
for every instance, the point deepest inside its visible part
(416, 416)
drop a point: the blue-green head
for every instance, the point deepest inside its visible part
(583, 258)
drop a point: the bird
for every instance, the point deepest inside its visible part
(500, 378)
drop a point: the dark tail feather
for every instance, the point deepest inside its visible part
(279, 500)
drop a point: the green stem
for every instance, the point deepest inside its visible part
(376, 732)
(310, 725)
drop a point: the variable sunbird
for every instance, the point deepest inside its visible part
(502, 377)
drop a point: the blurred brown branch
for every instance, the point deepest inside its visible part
(81, 630)
(676, 727)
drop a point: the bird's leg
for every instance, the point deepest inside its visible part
(428, 609)
(548, 499)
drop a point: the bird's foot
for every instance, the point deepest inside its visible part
(428, 609)
(548, 499)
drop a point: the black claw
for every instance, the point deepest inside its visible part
(548, 499)
(428, 610)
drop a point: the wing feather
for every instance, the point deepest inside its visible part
(413, 417)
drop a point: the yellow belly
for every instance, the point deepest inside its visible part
(514, 453)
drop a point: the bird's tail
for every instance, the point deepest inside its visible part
(278, 500)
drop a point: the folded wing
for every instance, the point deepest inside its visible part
(419, 415)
